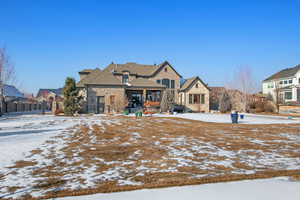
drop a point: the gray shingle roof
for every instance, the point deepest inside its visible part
(11, 91)
(190, 81)
(98, 77)
(133, 68)
(58, 91)
(107, 77)
(284, 73)
(138, 69)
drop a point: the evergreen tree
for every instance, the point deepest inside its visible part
(71, 98)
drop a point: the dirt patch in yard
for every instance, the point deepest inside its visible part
(124, 153)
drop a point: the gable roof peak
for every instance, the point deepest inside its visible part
(190, 81)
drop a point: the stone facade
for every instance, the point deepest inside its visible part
(132, 85)
(197, 88)
(113, 96)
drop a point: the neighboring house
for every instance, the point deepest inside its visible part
(16, 101)
(194, 95)
(283, 86)
(11, 91)
(129, 85)
(52, 97)
(214, 97)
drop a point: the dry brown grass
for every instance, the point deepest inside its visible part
(111, 186)
(52, 182)
(36, 151)
(23, 163)
(241, 165)
(12, 189)
(151, 149)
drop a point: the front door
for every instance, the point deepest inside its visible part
(100, 104)
(298, 95)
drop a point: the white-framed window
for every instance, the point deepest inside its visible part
(270, 85)
(197, 99)
(288, 95)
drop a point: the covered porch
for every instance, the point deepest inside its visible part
(290, 94)
(138, 98)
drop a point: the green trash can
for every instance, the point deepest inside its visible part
(138, 114)
(126, 112)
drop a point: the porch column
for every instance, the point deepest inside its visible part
(144, 95)
(294, 94)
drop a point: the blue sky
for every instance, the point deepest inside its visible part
(49, 40)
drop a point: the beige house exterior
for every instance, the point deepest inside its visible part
(132, 86)
(194, 95)
(129, 85)
(52, 98)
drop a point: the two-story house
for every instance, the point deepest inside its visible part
(283, 86)
(128, 85)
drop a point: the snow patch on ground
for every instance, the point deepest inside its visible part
(225, 118)
(275, 189)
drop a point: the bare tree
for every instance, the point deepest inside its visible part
(245, 83)
(224, 101)
(168, 98)
(7, 74)
(277, 98)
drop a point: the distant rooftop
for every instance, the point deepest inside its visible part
(285, 73)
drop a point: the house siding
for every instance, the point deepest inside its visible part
(184, 98)
(171, 75)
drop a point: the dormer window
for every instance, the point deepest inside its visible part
(125, 78)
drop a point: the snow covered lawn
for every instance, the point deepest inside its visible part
(61, 156)
(225, 118)
(20, 134)
(267, 189)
